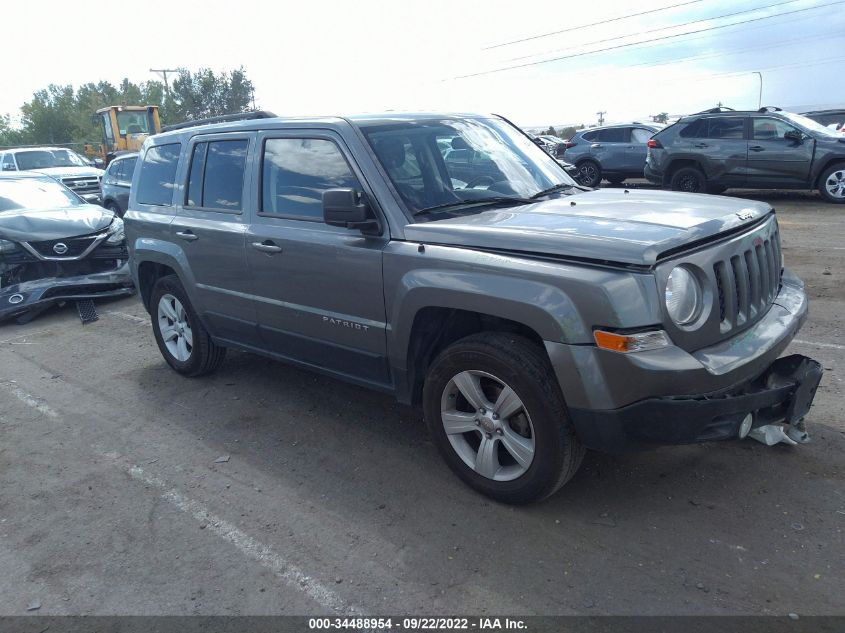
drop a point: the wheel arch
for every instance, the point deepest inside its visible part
(155, 260)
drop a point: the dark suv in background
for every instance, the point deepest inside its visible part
(615, 152)
(767, 148)
(116, 182)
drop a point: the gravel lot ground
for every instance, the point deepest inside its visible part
(113, 500)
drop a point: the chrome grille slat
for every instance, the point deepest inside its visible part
(754, 278)
(747, 282)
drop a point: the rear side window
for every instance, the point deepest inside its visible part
(158, 175)
(640, 135)
(129, 167)
(296, 172)
(216, 179)
(116, 169)
(614, 135)
(727, 127)
(696, 129)
(589, 136)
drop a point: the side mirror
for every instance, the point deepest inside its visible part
(793, 135)
(99, 164)
(349, 209)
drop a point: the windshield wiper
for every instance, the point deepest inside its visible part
(558, 187)
(457, 206)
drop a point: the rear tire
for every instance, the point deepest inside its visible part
(832, 184)
(690, 180)
(182, 340)
(589, 173)
(533, 449)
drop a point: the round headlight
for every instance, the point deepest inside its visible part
(683, 296)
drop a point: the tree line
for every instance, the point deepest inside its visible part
(62, 114)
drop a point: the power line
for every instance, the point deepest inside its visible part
(656, 39)
(584, 26)
(658, 29)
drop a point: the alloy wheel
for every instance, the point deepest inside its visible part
(835, 184)
(487, 425)
(174, 328)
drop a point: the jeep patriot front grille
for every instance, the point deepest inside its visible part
(748, 282)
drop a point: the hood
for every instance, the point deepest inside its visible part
(70, 172)
(632, 227)
(53, 224)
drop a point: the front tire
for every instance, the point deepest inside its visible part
(182, 340)
(689, 179)
(496, 414)
(832, 184)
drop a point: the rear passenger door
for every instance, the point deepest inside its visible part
(774, 160)
(210, 226)
(720, 145)
(610, 148)
(637, 150)
(319, 295)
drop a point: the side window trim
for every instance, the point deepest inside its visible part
(210, 138)
(307, 134)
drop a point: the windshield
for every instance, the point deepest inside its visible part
(132, 123)
(35, 193)
(811, 125)
(457, 162)
(41, 158)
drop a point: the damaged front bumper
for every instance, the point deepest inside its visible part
(783, 393)
(21, 298)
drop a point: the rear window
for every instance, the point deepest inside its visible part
(158, 175)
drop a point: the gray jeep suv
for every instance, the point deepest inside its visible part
(530, 317)
(766, 148)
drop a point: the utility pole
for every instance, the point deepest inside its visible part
(163, 72)
(760, 95)
(601, 117)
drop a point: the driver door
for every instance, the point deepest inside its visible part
(775, 160)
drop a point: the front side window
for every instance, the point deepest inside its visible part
(488, 160)
(768, 129)
(158, 174)
(726, 127)
(296, 172)
(35, 193)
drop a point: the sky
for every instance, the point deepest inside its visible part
(338, 57)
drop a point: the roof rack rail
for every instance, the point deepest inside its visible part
(716, 110)
(770, 109)
(225, 118)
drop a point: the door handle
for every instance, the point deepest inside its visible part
(755, 148)
(701, 145)
(595, 145)
(267, 247)
(187, 235)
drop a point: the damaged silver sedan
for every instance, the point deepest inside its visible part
(55, 247)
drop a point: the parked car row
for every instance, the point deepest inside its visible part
(714, 150)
